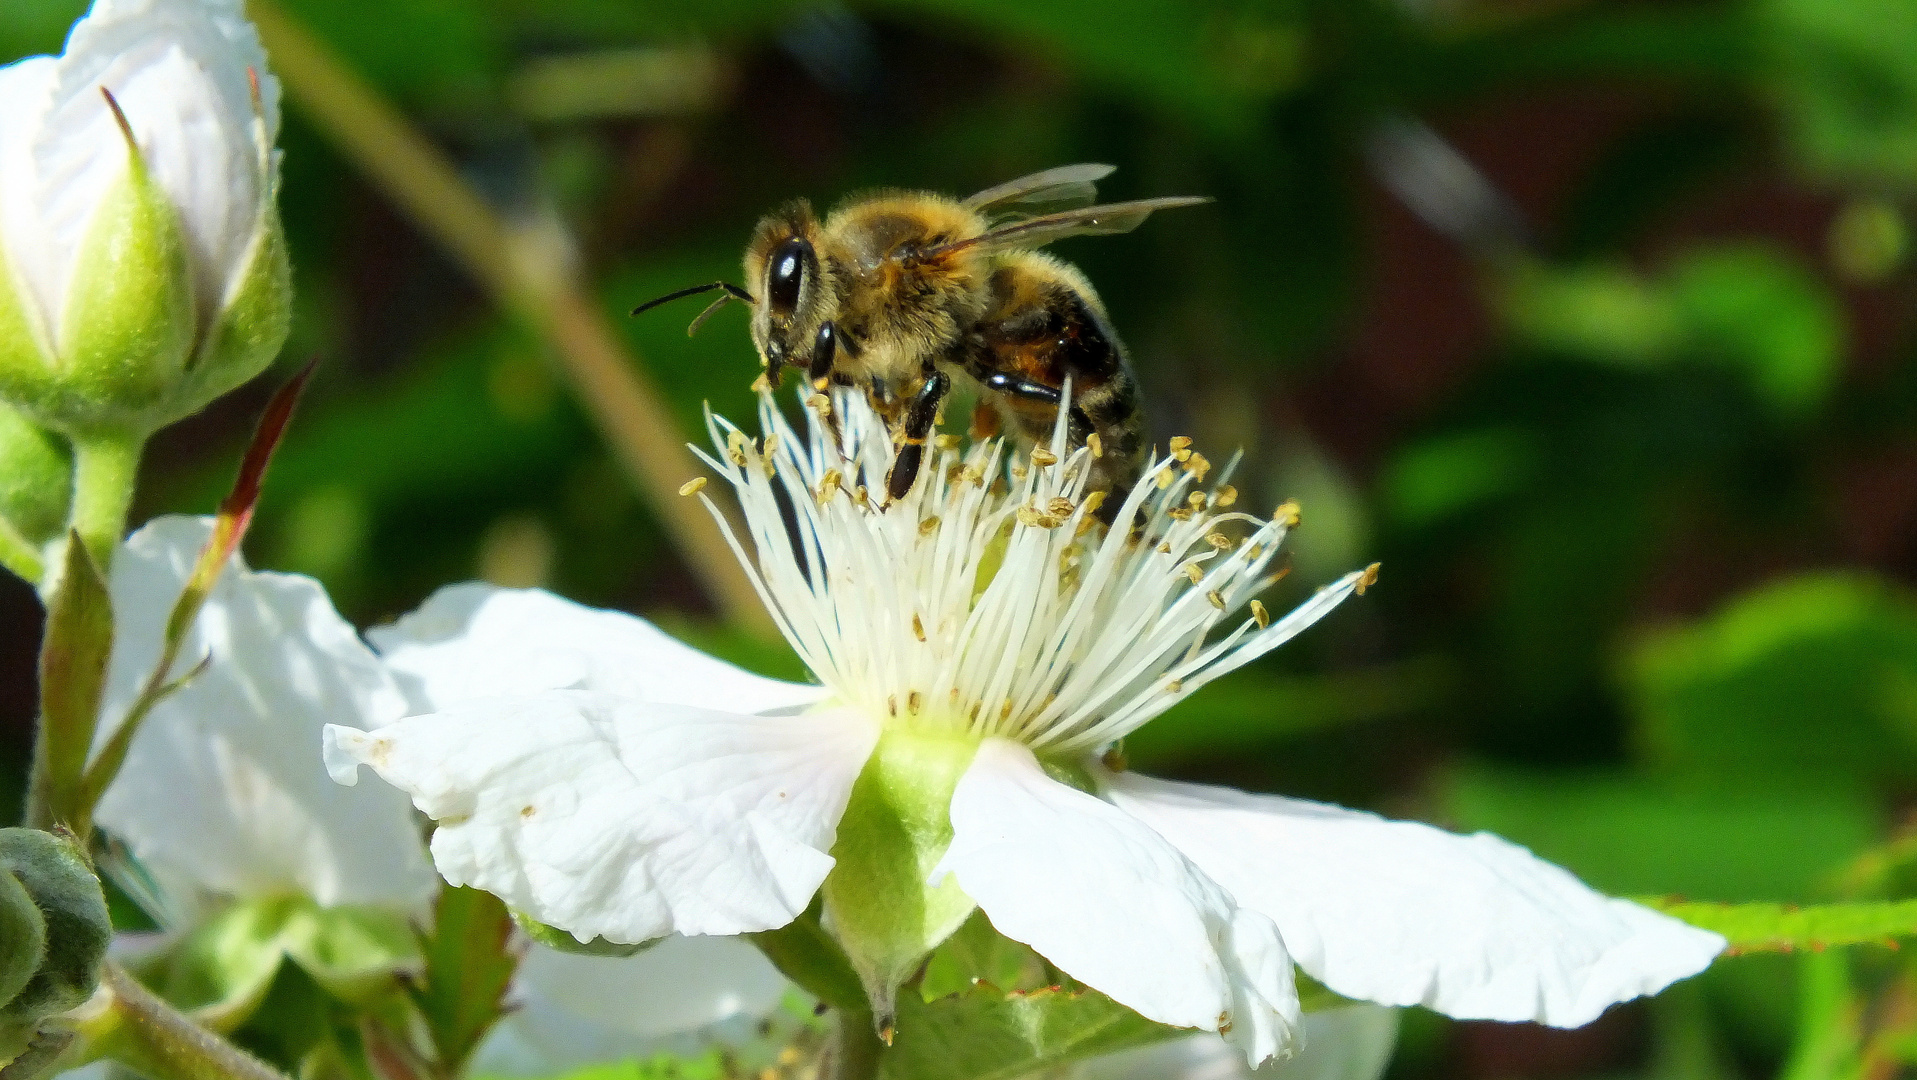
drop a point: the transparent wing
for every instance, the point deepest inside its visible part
(1062, 188)
(1089, 221)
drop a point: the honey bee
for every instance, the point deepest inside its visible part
(900, 292)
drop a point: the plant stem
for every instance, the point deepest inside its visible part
(856, 1051)
(605, 374)
(158, 1040)
(105, 469)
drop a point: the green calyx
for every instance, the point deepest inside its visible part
(896, 828)
(62, 959)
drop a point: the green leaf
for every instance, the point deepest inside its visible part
(1815, 676)
(983, 1034)
(806, 954)
(1845, 74)
(73, 664)
(1760, 311)
(1435, 479)
(469, 964)
(1630, 835)
(977, 953)
(1758, 928)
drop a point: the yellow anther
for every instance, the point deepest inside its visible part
(1165, 548)
(1220, 541)
(1259, 613)
(762, 385)
(891, 705)
(736, 444)
(1086, 524)
(858, 495)
(1095, 444)
(693, 486)
(1196, 500)
(1005, 710)
(1060, 507)
(821, 403)
(918, 631)
(1020, 472)
(1114, 758)
(1225, 496)
(913, 703)
(929, 526)
(1182, 513)
(1174, 686)
(1193, 572)
(1095, 500)
(1198, 466)
(972, 474)
(1181, 446)
(1163, 479)
(1368, 578)
(1288, 514)
(828, 486)
(1215, 600)
(1043, 457)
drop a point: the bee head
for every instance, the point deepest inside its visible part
(782, 264)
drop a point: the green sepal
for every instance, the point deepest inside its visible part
(223, 969)
(23, 937)
(985, 1034)
(129, 322)
(56, 874)
(470, 958)
(562, 941)
(249, 330)
(36, 477)
(896, 828)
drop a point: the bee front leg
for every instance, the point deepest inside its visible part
(912, 435)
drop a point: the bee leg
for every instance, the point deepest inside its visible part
(825, 349)
(912, 436)
(1013, 386)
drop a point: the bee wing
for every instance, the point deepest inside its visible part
(1060, 188)
(1088, 221)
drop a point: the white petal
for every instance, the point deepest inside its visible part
(626, 820)
(178, 69)
(475, 640)
(572, 1010)
(1115, 906)
(223, 786)
(26, 94)
(1405, 914)
(1353, 1042)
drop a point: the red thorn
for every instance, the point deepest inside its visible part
(1892, 944)
(1817, 946)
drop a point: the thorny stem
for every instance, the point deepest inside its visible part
(156, 1039)
(605, 374)
(104, 472)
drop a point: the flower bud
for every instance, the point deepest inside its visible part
(144, 270)
(55, 874)
(36, 478)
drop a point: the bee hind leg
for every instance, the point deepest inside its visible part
(917, 428)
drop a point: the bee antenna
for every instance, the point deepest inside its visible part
(733, 292)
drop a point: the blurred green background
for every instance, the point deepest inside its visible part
(1590, 320)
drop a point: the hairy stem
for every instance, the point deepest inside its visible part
(608, 379)
(105, 469)
(856, 1050)
(158, 1040)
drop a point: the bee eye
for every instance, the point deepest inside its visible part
(785, 273)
